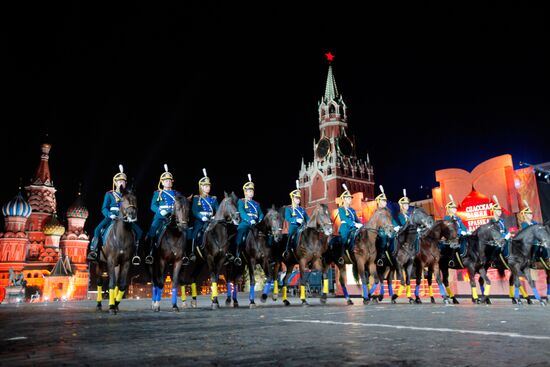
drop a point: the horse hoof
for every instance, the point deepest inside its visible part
(215, 306)
(543, 303)
(98, 308)
(263, 299)
(374, 300)
(411, 301)
(514, 301)
(185, 261)
(488, 301)
(194, 303)
(519, 302)
(432, 299)
(149, 260)
(184, 305)
(455, 301)
(274, 298)
(112, 310)
(350, 302)
(529, 301)
(286, 303)
(380, 298)
(252, 305)
(228, 301)
(366, 301)
(304, 303)
(175, 308)
(418, 301)
(323, 298)
(477, 301)
(446, 301)
(238, 261)
(394, 297)
(235, 304)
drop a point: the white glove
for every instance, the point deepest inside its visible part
(112, 216)
(396, 228)
(508, 235)
(358, 225)
(418, 230)
(252, 221)
(299, 220)
(463, 233)
(163, 212)
(469, 233)
(204, 219)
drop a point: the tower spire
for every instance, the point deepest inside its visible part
(331, 91)
(42, 175)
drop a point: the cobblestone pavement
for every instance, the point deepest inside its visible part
(383, 334)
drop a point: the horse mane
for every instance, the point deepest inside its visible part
(314, 216)
(377, 213)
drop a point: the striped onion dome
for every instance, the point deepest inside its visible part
(77, 209)
(17, 207)
(53, 227)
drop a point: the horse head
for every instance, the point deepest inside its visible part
(320, 219)
(274, 223)
(228, 209)
(421, 219)
(534, 233)
(128, 206)
(489, 234)
(449, 230)
(381, 219)
(181, 212)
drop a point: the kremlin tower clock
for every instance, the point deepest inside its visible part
(334, 155)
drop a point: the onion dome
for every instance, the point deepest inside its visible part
(77, 209)
(53, 227)
(17, 207)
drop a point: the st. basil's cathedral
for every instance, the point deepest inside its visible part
(51, 257)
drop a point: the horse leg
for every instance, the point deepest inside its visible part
(285, 282)
(122, 280)
(445, 273)
(437, 273)
(251, 267)
(229, 292)
(516, 271)
(112, 286)
(364, 282)
(547, 285)
(408, 276)
(341, 270)
(532, 284)
(324, 276)
(99, 283)
(268, 271)
(373, 270)
(419, 271)
(473, 287)
(194, 275)
(486, 285)
(175, 283)
(276, 281)
(302, 283)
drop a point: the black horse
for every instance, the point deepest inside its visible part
(172, 243)
(407, 248)
(216, 240)
(258, 247)
(312, 244)
(520, 257)
(480, 246)
(116, 254)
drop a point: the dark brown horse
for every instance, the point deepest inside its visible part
(429, 255)
(116, 254)
(258, 247)
(216, 240)
(408, 246)
(172, 243)
(312, 244)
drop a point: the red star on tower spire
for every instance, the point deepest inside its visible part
(329, 56)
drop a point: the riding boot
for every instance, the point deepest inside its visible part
(92, 256)
(149, 259)
(534, 251)
(136, 260)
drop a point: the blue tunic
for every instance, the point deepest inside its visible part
(502, 226)
(111, 206)
(249, 210)
(348, 218)
(291, 216)
(461, 226)
(162, 200)
(402, 219)
(203, 206)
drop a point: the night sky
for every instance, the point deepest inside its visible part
(427, 88)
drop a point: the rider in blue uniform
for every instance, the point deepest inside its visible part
(296, 217)
(462, 229)
(403, 215)
(497, 218)
(350, 223)
(526, 214)
(387, 242)
(162, 204)
(250, 213)
(110, 210)
(204, 208)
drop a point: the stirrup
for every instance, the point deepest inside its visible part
(380, 262)
(149, 259)
(341, 260)
(136, 260)
(192, 257)
(238, 261)
(451, 263)
(285, 254)
(92, 255)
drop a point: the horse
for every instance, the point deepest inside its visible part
(216, 240)
(257, 250)
(519, 261)
(312, 244)
(364, 252)
(171, 250)
(484, 240)
(407, 247)
(429, 256)
(117, 252)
